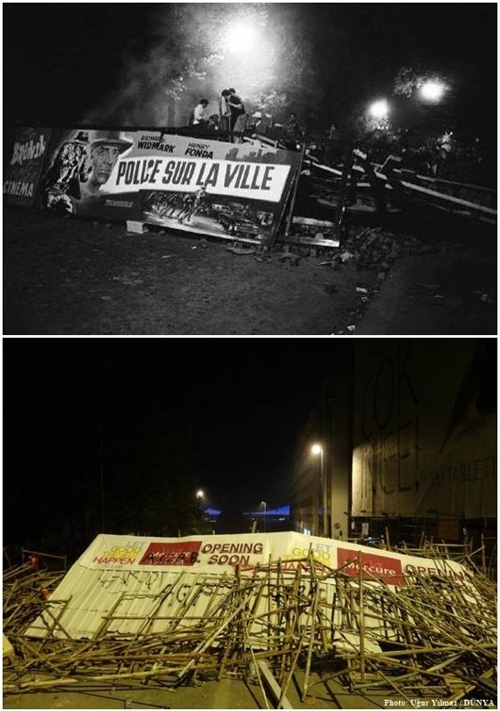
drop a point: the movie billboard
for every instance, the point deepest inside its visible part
(25, 165)
(207, 187)
(77, 171)
(210, 187)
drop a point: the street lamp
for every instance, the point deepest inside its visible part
(248, 50)
(432, 90)
(318, 449)
(199, 494)
(242, 35)
(379, 109)
(264, 507)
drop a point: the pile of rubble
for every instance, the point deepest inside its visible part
(375, 249)
(359, 249)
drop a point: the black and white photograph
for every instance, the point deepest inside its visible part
(251, 169)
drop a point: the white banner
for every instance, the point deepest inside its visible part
(129, 583)
(258, 181)
(219, 554)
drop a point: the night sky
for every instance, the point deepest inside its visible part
(234, 405)
(63, 60)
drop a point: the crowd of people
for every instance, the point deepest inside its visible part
(234, 121)
(445, 156)
(232, 118)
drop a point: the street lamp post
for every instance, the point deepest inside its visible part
(264, 508)
(201, 504)
(318, 449)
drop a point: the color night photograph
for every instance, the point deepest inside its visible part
(249, 523)
(252, 169)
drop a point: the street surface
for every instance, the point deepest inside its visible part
(67, 276)
(223, 694)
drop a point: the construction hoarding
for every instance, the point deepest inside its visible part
(425, 429)
(169, 611)
(129, 580)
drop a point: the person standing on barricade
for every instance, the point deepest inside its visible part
(225, 111)
(239, 117)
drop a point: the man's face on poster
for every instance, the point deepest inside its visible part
(103, 159)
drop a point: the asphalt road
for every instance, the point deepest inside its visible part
(429, 295)
(69, 276)
(224, 694)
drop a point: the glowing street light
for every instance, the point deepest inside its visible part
(432, 90)
(241, 36)
(264, 508)
(379, 109)
(200, 494)
(318, 449)
(247, 47)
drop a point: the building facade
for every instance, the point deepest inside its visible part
(321, 483)
(408, 444)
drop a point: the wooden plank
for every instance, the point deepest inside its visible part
(310, 241)
(311, 221)
(273, 685)
(294, 193)
(8, 649)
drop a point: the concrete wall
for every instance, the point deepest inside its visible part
(425, 428)
(412, 435)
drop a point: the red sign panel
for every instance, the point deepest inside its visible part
(373, 566)
(181, 553)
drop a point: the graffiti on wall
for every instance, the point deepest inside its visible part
(390, 427)
(425, 431)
